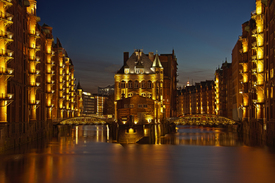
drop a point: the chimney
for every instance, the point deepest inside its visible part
(151, 56)
(126, 57)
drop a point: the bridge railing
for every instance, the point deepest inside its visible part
(83, 120)
(202, 119)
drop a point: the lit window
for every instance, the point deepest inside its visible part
(130, 84)
(149, 84)
(136, 84)
(143, 84)
(122, 84)
(126, 71)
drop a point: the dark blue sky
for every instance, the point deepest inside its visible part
(96, 33)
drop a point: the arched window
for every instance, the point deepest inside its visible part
(136, 84)
(143, 84)
(130, 84)
(122, 84)
(149, 84)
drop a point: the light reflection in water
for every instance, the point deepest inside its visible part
(76, 134)
(67, 158)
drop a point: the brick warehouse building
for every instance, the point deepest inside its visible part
(35, 83)
(145, 88)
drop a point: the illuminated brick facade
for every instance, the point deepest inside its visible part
(223, 90)
(196, 99)
(141, 79)
(236, 82)
(253, 62)
(30, 72)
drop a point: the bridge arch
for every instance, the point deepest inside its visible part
(84, 120)
(202, 119)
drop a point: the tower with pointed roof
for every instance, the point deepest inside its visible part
(139, 90)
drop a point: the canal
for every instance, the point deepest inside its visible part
(85, 153)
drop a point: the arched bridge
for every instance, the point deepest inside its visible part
(202, 119)
(85, 120)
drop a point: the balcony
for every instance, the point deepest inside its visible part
(8, 73)
(50, 83)
(254, 32)
(34, 59)
(254, 72)
(35, 103)
(254, 45)
(7, 55)
(6, 36)
(7, 3)
(51, 106)
(254, 58)
(50, 92)
(6, 18)
(34, 85)
(34, 34)
(36, 73)
(36, 48)
(8, 98)
(32, 13)
(50, 72)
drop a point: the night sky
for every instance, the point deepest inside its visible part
(96, 33)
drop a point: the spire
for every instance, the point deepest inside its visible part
(156, 62)
(78, 85)
(58, 43)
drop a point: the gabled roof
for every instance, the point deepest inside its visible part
(79, 86)
(58, 43)
(137, 60)
(157, 62)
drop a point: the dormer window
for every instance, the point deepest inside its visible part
(122, 84)
(126, 70)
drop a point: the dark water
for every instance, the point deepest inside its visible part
(194, 154)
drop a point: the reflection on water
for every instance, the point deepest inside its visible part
(82, 154)
(196, 135)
